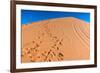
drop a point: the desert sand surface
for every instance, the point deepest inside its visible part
(60, 39)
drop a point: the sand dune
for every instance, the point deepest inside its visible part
(55, 40)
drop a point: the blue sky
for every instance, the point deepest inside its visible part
(29, 16)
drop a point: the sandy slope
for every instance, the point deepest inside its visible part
(55, 40)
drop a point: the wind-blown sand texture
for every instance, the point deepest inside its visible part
(59, 39)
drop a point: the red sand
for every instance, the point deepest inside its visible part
(55, 40)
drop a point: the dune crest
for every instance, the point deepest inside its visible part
(56, 40)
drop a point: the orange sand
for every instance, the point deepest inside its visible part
(55, 40)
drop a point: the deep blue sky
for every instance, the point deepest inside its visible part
(29, 16)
